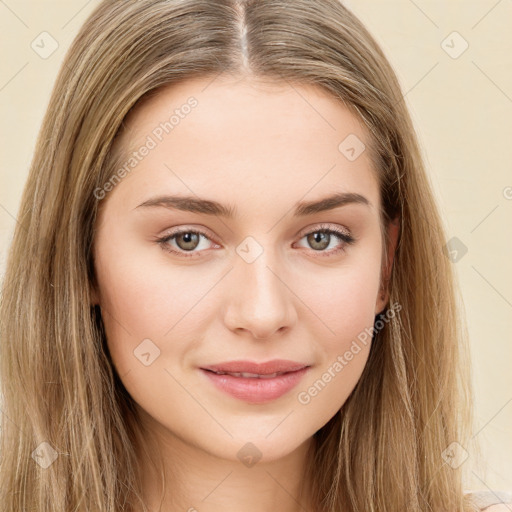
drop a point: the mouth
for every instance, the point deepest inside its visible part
(256, 382)
(247, 375)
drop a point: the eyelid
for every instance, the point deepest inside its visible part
(324, 227)
(185, 228)
(305, 231)
(342, 233)
(344, 236)
(164, 240)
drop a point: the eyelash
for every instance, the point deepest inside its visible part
(340, 234)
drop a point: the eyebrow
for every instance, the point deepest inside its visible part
(210, 207)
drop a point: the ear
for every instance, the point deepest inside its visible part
(393, 230)
(93, 292)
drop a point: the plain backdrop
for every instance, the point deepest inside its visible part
(453, 59)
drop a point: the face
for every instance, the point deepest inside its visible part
(231, 316)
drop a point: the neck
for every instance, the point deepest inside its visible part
(198, 481)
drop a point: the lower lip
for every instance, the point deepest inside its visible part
(256, 390)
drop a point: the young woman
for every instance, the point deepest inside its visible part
(227, 289)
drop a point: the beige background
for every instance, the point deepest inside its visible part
(462, 107)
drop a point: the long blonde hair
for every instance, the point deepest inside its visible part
(383, 451)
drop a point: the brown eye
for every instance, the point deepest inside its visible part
(319, 240)
(326, 235)
(187, 241)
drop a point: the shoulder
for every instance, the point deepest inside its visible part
(492, 501)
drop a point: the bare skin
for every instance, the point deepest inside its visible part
(259, 150)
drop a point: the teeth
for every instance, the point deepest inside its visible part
(251, 375)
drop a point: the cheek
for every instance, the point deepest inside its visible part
(142, 299)
(344, 302)
(343, 298)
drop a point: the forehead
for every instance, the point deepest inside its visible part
(249, 104)
(242, 137)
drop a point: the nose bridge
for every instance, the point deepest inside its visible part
(261, 281)
(260, 301)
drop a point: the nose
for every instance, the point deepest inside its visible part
(259, 300)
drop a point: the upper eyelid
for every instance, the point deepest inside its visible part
(303, 232)
(337, 230)
(324, 227)
(200, 231)
(343, 235)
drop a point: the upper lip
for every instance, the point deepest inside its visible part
(265, 368)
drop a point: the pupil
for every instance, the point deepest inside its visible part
(189, 241)
(321, 238)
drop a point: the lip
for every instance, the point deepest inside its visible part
(268, 386)
(265, 368)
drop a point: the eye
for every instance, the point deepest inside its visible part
(322, 237)
(186, 241)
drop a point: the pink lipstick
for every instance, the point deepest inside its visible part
(256, 382)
